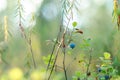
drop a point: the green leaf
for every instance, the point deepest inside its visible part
(107, 55)
(74, 78)
(118, 11)
(47, 58)
(74, 24)
(78, 73)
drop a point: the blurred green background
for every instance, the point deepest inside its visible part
(94, 17)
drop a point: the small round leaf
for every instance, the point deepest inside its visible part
(74, 24)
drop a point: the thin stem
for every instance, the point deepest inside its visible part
(64, 48)
(57, 51)
(31, 50)
(90, 58)
(5, 28)
(51, 56)
(62, 43)
(24, 34)
(70, 63)
(60, 30)
(53, 49)
(64, 64)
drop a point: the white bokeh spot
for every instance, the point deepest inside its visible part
(3, 5)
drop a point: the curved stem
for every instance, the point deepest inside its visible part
(64, 64)
(90, 58)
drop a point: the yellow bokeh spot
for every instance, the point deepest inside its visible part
(15, 74)
(37, 75)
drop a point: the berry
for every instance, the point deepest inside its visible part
(78, 78)
(107, 77)
(89, 73)
(99, 70)
(72, 45)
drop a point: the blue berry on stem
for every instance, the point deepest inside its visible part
(107, 77)
(72, 45)
(99, 70)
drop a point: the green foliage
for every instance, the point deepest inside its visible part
(47, 58)
(77, 75)
(85, 43)
(106, 70)
(74, 24)
(118, 12)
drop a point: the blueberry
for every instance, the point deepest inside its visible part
(107, 77)
(89, 73)
(72, 45)
(78, 78)
(99, 69)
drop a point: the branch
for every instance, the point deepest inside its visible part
(90, 58)
(23, 32)
(55, 59)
